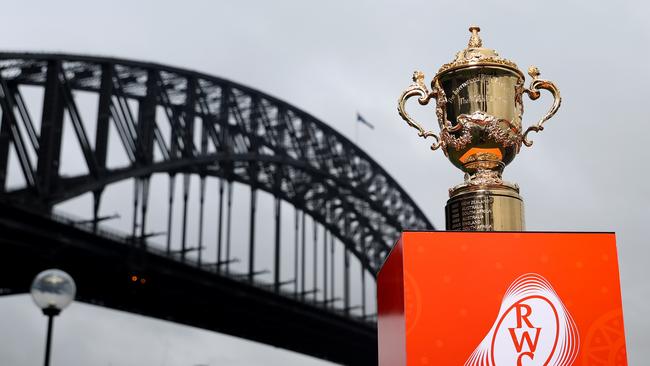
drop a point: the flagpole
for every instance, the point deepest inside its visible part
(356, 131)
(356, 127)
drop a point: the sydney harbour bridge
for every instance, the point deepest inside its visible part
(307, 286)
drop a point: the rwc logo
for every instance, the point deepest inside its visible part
(533, 328)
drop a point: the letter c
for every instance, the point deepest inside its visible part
(521, 356)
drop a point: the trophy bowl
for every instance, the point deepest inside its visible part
(483, 109)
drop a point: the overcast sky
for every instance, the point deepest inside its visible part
(586, 172)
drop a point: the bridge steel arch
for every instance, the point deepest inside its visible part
(245, 136)
(211, 127)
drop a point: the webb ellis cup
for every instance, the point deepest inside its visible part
(479, 108)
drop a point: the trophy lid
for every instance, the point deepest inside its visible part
(476, 55)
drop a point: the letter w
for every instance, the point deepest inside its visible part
(525, 337)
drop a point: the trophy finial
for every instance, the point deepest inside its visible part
(533, 71)
(475, 40)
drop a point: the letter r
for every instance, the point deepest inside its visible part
(521, 316)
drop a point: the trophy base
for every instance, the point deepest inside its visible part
(485, 208)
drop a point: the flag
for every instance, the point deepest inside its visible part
(363, 120)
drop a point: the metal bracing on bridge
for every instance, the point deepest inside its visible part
(185, 124)
(246, 136)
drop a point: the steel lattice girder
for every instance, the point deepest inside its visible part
(246, 136)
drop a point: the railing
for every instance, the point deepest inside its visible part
(118, 236)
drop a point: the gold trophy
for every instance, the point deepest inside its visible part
(479, 108)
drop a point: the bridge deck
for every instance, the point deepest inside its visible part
(104, 269)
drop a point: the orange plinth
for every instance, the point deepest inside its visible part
(492, 299)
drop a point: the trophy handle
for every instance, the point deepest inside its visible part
(424, 96)
(533, 94)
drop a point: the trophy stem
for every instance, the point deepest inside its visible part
(485, 208)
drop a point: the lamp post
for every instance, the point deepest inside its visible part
(52, 290)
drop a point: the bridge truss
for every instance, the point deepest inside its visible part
(185, 124)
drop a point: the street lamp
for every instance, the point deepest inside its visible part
(52, 290)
